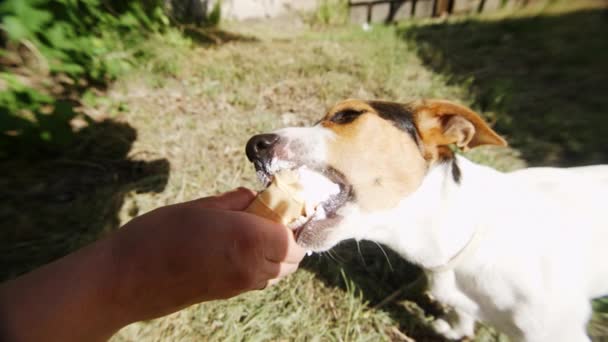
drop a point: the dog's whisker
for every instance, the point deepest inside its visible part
(390, 265)
(324, 254)
(335, 257)
(361, 254)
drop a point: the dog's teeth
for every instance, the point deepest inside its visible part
(309, 253)
(320, 213)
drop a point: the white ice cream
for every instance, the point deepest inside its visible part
(316, 188)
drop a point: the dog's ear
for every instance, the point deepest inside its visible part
(442, 123)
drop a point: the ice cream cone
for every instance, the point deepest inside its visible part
(280, 201)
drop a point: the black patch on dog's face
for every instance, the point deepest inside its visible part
(447, 156)
(456, 174)
(399, 115)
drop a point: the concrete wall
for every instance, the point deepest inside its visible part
(245, 9)
(194, 11)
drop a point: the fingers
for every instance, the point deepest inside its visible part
(279, 271)
(286, 269)
(236, 200)
(275, 240)
(280, 245)
(282, 254)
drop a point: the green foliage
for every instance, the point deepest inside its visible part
(331, 12)
(78, 38)
(30, 119)
(601, 305)
(91, 41)
(195, 12)
(215, 16)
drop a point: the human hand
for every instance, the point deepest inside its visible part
(196, 251)
(156, 264)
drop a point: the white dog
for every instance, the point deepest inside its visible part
(523, 251)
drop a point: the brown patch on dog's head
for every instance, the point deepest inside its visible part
(384, 149)
(442, 123)
(376, 148)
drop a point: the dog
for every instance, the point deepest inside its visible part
(523, 251)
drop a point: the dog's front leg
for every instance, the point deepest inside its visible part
(457, 323)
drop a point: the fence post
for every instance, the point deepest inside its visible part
(442, 7)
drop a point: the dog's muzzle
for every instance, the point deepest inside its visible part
(271, 153)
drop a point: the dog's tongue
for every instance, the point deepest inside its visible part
(293, 196)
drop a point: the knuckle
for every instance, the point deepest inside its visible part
(247, 256)
(248, 244)
(246, 278)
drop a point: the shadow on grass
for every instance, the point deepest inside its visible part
(214, 36)
(543, 80)
(385, 280)
(64, 191)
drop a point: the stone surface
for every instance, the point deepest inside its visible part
(248, 9)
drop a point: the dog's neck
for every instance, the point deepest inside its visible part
(436, 223)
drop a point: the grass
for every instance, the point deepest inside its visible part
(175, 129)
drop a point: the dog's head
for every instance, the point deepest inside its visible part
(378, 152)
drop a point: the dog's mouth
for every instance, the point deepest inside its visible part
(324, 187)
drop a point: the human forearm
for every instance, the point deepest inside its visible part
(71, 299)
(156, 264)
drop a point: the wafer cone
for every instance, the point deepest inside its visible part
(280, 201)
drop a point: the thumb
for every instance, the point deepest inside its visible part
(237, 199)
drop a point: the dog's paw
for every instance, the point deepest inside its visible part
(442, 327)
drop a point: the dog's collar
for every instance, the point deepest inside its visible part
(468, 249)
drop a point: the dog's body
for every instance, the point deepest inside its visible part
(541, 255)
(524, 251)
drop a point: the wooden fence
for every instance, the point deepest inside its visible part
(390, 10)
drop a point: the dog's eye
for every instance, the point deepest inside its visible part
(345, 116)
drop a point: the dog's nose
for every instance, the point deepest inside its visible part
(260, 146)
